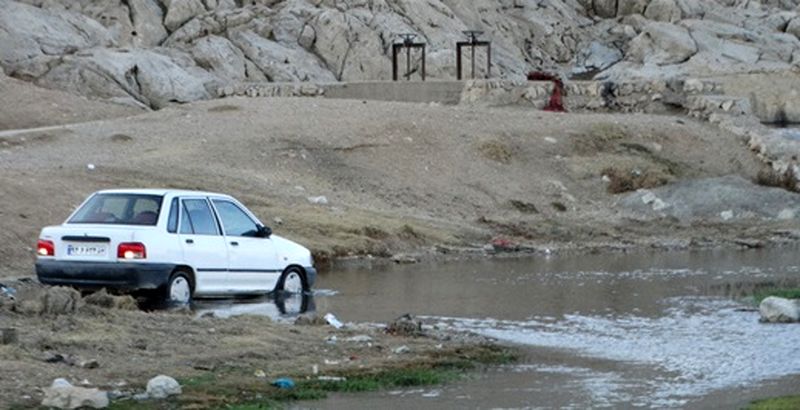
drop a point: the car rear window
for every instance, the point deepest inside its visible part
(119, 209)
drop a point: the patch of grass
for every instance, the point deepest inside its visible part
(776, 403)
(239, 390)
(788, 293)
(224, 108)
(772, 178)
(600, 137)
(625, 180)
(496, 151)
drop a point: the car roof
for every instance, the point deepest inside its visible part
(160, 192)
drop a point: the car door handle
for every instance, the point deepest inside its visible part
(190, 241)
(234, 243)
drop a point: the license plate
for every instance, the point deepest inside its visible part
(87, 250)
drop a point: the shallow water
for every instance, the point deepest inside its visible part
(646, 330)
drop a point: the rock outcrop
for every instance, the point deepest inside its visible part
(152, 52)
(63, 395)
(722, 199)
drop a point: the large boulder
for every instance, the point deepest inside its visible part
(147, 22)
(181, 11)
(27, 32)
(626, 7)
(161, 387)
(142, 76)
(279, 62)
(219, 56)
(662, 44)
(779, 310)
(596, 57)
(663, 10)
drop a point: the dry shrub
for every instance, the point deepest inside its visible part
(224, 108)
(374, 232)
(631, 180)
(524, 207)
(121, 138)
(496, 151)
(408, 233)
(786, 180)
(103, 299)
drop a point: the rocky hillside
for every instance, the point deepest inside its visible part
(152, 52)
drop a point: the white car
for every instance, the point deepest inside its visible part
(180, 244)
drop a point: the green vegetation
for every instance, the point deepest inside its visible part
(239, 390)
(776, 403)
(788, 293)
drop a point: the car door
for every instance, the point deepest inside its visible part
(252, 260)
(203, 246)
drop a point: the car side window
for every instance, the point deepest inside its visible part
(172, 222)
(235, 221)
(199, 217)
(186, 224)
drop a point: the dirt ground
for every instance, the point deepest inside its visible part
(27, 106)
(59, 333)
(412, 179)
(398, 177)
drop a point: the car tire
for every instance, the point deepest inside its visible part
(293, 280)
(178, 290)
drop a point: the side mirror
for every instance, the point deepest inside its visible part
(264, 231)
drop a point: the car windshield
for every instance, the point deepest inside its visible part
(119, 209)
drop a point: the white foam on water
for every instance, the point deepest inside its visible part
(699, 345)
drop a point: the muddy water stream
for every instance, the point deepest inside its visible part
(638, 330)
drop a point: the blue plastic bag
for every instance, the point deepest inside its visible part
(283, 383)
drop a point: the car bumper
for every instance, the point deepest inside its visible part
(311, 276)
(112, 275)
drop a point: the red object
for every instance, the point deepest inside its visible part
(131, 250)
(45, 248)
(556, 103)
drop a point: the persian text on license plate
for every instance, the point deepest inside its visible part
(87, 250)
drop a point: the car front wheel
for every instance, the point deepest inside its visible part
(293, 281)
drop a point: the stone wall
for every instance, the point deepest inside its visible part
(633, 96)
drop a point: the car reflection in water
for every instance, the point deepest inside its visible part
(279, 307)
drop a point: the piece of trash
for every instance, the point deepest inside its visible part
(90, 166)
(331, 340)
(260, 374)
(319, 200)
(432, 393)
(315, 369)
(400, 350)
(331, 362)
(333, 321)
(7, 291)
(283, 383)
(359, 339)
(332, 378)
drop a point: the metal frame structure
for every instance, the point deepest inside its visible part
(473, 43)
(408, 44)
